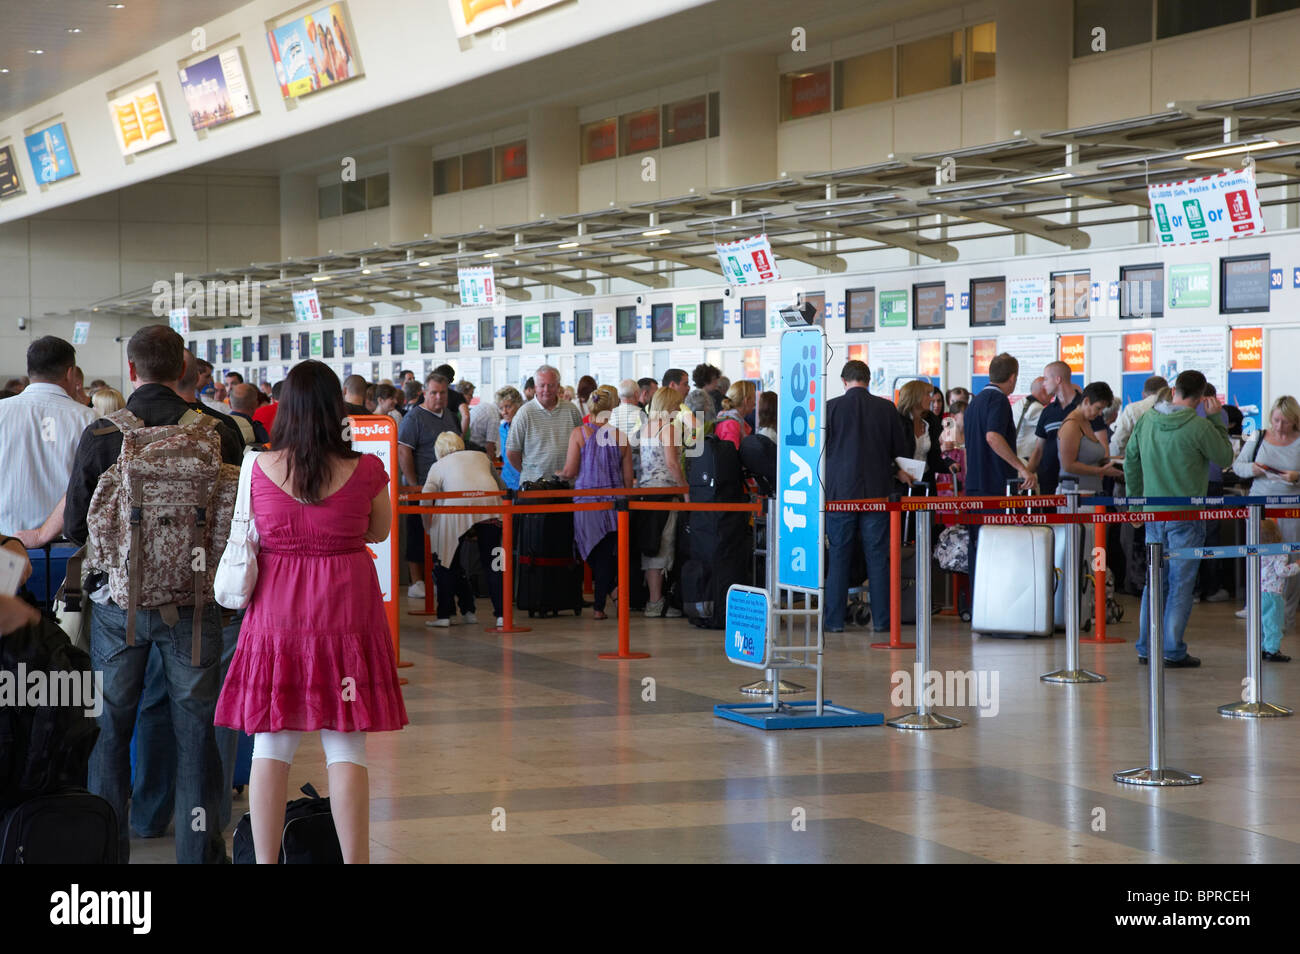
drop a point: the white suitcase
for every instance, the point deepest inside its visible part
(1014, 586)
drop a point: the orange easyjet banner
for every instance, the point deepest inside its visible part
(1072, 352)
(1139, 357)
(1247, 349)
(929, 359)
(983, 351)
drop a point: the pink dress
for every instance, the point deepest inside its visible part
(315, 619)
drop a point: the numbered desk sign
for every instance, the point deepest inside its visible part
(747, 624)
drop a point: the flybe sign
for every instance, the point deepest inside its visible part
(802, 434)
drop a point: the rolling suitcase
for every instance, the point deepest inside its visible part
(550, 574)
(1014, 586)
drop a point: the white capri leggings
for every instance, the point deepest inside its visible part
(339, 746)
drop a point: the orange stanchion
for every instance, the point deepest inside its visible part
(676, 505)
(624, 577)
(507, 577)
(1099, 586)
(895, 585)
(600, 492)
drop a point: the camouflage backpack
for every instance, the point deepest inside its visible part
(160, 516)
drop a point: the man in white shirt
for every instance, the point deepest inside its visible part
(484, 422)
(1027, 419)
(539, 434)
(628, 418)
(39, 433)
(1151, 389)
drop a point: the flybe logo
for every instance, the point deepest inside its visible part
(802, 406)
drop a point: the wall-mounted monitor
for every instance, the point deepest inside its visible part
(263, 347)
(304, 345)
(582, 327)
(486, 335)
(1142, 291)
(225, 350)
(713, 320)
(1243, 284)
(625, 325)
(428, 337)
(397, 339)
(514, 332)
(661, 322)
(928, 306)
(349, 342)
(1071, 295)
(247, 349)
(988, 302)
(286, 346)
(551, 329)
(753, 317)
(451, 336)
(327, 344)
(818, 300)
(376, 341)
(860, 310)
(212, 350)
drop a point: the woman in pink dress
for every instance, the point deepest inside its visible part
(314, 652)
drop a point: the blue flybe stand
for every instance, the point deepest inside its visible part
(781, 628)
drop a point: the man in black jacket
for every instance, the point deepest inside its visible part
(864, 435)
(155, 356)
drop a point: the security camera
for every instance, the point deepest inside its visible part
(22, 324)
(638, 299)
(727, 291)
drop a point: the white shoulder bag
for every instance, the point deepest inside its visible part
(237, 572)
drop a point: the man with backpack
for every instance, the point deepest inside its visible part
(148, 571)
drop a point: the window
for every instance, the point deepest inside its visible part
(712, 320)
(354, 196)
(638, 131)
(600, 140)
(476, 169)
(1243, 284)
(929, 305)
(1142, 291)
(1071, 295)
(446, 175)
(661, 322)
(304, 345)
(1175, 17)
(686, 121)
(263, 347)
(225, 350)
(451, 336)
(625, 325)
(286, 347)
(551, 329)
(753, 317)
(376, 341)
(486, 335)
(932, 63)
(511, 161)
(212, 350)
(981, 51)
(377, 191)
(988, 302)
(514, 332)
(349, 342)
(866, 79)
(806, 93)
(818, 301)
(397, 339)
(582, 327)
(428, 337)
(1126, 24)
(860, 310)
(329, 202)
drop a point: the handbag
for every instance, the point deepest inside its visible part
(237, 572)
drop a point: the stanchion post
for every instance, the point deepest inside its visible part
(923, 718)
(895, 586)
(1253, 705)
(1072, 673)
(1155, 772)
(624, 587)
(508, 574)
(1099, 585)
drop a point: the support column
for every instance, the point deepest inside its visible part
(410, 193)
(298, 214)
(1033, 64)
(748, 113)
(553, 156)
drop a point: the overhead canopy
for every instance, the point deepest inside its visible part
(1034, 184)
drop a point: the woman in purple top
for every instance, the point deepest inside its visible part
(599, 456)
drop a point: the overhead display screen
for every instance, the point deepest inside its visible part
(860, 310)
(753, 317)
(452, 335)
(1070, 295)
(1142, 291)
(661, 322)
(988, 302)
(551, 330)
(486, 332)
(582, 327)
(1243, 284)
(625, 325)
(928, 305)
(514, 331)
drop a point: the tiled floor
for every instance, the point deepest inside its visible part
(535, 731)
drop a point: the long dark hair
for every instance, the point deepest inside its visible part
(309, 428)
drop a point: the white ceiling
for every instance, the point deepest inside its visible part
(108, 37)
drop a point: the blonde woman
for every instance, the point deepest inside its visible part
(1272, 459)
(107, 400)
(739, 403)
(661, 467)
(922, 431)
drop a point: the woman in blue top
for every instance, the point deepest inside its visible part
(509, 401)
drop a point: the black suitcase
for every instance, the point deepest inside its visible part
(549, 577)
(71, 827)
(721, 549)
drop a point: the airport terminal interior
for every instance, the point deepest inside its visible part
(801, 198)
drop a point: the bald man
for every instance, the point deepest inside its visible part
(243, 402)
(1046, 458)
(354, 394)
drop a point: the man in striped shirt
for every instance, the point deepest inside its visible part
(538, 439)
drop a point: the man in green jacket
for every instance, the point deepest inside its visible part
(1169, 455)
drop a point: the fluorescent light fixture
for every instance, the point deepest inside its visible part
(4, 69)
(491, 254)
(320, 278)
(365, 271)
(1231, 150)
(568, 245)
(74, 29)
(654, 232)
(1049, 178)
(424, 264)
(36, 52)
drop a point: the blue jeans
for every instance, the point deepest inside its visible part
(1179, 585)
(873, 531)
(192, 693)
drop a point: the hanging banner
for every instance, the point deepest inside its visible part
(1200, 349)
(1026, 299)
(1246, 378)
(602, 332)
(890, 362)
(306, 305)
(477, 285)
(799, 466)
(1208, 209)
(1138, 364)
(139, 121)
(748, 261)
(179, 319)
(80, 332)
(1072, 350)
